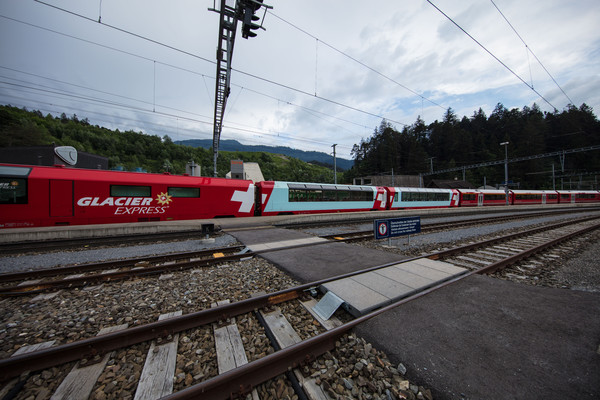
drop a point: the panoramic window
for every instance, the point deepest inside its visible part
(13, 190)
(184, 192)
(130, 191)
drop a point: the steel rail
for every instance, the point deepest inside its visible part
(241, 380)
(33, 288)
(527, 253)
(453, 224)
(87, 348)
(72, 269)
(445, 253)
(53, 244)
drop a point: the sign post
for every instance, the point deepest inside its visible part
(393, 227)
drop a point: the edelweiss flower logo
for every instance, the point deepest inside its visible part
(163, 199)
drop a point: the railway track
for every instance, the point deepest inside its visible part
(40, 280)
(438, 226)
(94, 273)
(305, 354)
(88, 243)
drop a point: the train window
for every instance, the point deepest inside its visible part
(425, 196)
(184, 192)
(552, 196)
(528, 197)
(130, 191)
(565, 196)
(330, 194)
(469, 197)
(582, 196)
(13, 190)
(495, 197)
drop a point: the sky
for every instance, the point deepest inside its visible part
(321, 73)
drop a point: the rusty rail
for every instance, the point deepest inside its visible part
(241, 379)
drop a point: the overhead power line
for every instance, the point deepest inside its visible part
(531, 51)
(490, 53)
(513, 160)
(358, 61)
(195, 56)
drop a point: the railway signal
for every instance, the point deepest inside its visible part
(249, 8)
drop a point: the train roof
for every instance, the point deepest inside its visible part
(422, 190)
(579, 191)
(61, 172)
(484, 191)
(534, 191)
(321, 186)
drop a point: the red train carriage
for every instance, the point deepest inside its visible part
(47, 196)
(578, 196)
(483, 197)
(534, 197)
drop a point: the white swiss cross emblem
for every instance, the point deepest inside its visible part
(245, 198)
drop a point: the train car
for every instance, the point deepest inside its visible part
(483, 197)
(286, 198)
(402, 197)
(579, 196)
(534, 197)
(48, 196)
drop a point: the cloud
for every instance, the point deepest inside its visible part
(156, 71)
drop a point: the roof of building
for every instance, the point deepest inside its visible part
(450, 184)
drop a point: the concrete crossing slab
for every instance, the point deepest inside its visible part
(358, 298)
(285, 243)
(439, 265)
(406, 277)
(366, 292)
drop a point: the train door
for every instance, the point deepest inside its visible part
(543, 198)
(479, 199)
(61, 198)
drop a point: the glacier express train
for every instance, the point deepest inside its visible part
(32, 196)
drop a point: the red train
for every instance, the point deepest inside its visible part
(49, 196)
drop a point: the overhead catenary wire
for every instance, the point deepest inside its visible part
(358, 61)
(490, 53)
(202, 58)
(52, 90)
(532, 53)
(91, 100)
(154, 62)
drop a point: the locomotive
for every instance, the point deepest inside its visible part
(32, 196)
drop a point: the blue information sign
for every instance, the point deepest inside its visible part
(392, 227)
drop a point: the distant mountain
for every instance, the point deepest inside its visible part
(307, 156)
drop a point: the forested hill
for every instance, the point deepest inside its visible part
(307, 156)
(132, 150)
(456, 142)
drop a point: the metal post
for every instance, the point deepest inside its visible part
(431, 164)
(562, 170)
(334, 165)
(505, 144)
